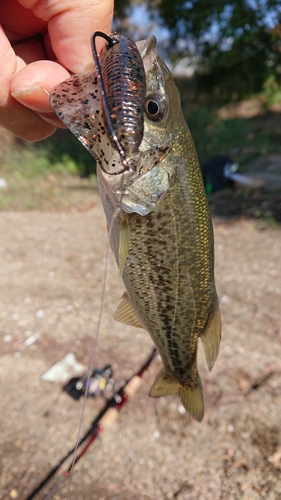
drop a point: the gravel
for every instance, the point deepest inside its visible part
(52, 269)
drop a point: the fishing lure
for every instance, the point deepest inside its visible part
(106, 114)
(122, 83)
(105, 107)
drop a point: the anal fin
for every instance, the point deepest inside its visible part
(191, 396)
(211, 336)
(125, 313)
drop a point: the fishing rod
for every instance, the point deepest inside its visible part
(104, 419)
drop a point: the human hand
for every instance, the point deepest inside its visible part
(41, 43)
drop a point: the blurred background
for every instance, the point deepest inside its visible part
(226, 59)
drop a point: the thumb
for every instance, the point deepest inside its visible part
(70, 26)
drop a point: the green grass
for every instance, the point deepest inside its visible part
(51, 193)
(35, 172)
(241, 139)
(60, 154)
(27, 162)
(46, 175)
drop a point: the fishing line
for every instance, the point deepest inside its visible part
(120, 193)
(125, 180)
(103, 420)
(111, 41)
(95, 343)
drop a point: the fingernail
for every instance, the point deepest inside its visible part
(35, 98)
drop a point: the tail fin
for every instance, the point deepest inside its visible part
(191, 397)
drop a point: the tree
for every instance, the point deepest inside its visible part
(237, 43)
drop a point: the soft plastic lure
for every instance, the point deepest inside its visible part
(122, 83)
(105, 107)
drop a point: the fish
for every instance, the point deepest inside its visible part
(160, 227)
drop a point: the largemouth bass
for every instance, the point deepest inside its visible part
(160, 227)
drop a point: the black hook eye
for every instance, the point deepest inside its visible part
(155, 107)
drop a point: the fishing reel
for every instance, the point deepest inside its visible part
(100, 383)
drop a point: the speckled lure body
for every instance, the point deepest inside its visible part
(108, 103)
(89, 105)
(123, 86)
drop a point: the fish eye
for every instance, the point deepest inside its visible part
(155, 107)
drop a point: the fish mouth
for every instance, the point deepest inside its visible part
(141, 188)
(146, 46)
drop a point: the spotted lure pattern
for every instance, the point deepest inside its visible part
(123, 86)
(162, 234)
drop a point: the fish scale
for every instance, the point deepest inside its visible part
(160, 227)
(164, 280)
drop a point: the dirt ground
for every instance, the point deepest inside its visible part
(52, 268)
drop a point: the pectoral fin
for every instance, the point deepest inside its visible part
(124, 241)
(211, 337)
(125, 313)
(191, 396)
